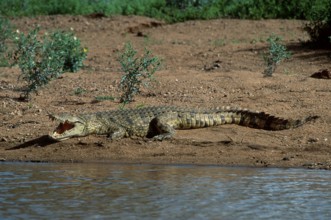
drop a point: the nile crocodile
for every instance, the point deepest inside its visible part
(161, 122)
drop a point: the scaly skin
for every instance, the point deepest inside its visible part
(161, 122)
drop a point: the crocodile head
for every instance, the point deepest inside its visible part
(69, 126)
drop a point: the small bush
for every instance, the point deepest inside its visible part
(42, 60)
(277, 53)
(137, 72)
(319, 25)
(67, 44)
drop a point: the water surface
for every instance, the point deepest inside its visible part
(108, 191)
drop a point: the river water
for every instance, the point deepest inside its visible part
(117, 191)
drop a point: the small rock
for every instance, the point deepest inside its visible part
(313, 140)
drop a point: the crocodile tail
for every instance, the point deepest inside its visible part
(261, 120)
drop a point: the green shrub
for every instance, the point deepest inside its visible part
(69, 46)
(37, 61)
(276, 53)
(319, 26)
(45, 58)
(137, 72)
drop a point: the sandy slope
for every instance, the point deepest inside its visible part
(205, 64)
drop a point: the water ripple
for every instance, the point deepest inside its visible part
(104, 191)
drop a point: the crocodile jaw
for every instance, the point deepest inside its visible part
(69, 126)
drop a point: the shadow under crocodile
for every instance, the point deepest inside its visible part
(40, 141)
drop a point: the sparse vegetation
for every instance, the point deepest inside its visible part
(45, 58)
(103, 98)
(276, 53)
(79, 90)
(137, 72)
(5, 35)
(317, 12)
(220, 42)
(42, 59)
(170, 10)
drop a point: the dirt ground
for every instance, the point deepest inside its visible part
(205, 64)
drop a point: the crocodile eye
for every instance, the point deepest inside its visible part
(64, 127)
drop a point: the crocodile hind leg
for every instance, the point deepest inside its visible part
(161, 128)
(117, 134)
